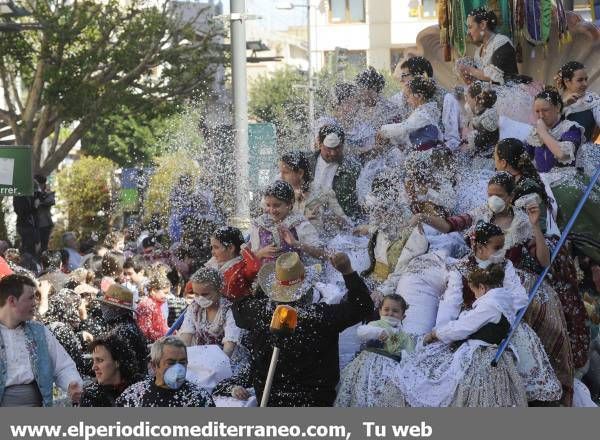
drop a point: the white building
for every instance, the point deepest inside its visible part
(375, 32)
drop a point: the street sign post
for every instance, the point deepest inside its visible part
(262, 142)
(16, 171)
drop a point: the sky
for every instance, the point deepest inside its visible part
(273, 19)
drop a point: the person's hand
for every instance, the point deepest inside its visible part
(380, 139)
(384, 336)
(596, 277)
(266, 252)
(377, 298)
(82, 310)
(287, 236)
(571, 98)
(342, 263)
(417, 220)
(540, 126)
(240, 393)
(44, 289)
(361, 230)
(533, 211)
(429, 338)
(74, 391)
(87, 336)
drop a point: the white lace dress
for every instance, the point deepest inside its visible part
(440, 375)
(361, 382)
(427, 114)
(533, 365)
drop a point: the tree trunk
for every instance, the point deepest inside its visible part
(3, 231)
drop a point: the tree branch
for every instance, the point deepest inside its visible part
(53, 161)
(34, 96)
(9, 116)
(15, 91)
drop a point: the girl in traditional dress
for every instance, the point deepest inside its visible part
(280, 229)
(488, 240)
(448, 103)
(361, 383)
(442, 374)
(238, 266)
(208, 320)
(583, 107)
(420, 131)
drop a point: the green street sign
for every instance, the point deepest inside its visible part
(16, 171)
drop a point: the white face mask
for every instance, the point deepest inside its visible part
(483, 264)
(495, 258)
(203, 302)
(394, 322)
(496, 204)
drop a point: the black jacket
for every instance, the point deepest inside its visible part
(24, 207)
(308, 368)
(96, 395)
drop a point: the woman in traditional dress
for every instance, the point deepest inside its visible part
(238, 266)
(545, 313)
(583, 107)
(553, 145)
(495, 61)
(280, 229)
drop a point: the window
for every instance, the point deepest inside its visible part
(347, 11)
(424, 9)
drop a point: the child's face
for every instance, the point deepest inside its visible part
(391, 308)
(478, 289)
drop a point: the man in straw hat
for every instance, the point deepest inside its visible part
(308, 367)
(118, 310)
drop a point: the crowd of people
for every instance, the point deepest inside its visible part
(407, 239)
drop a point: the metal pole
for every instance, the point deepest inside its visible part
(311, 93)
(270, 375)
(177, 324)
(240, 106)
(540, 279)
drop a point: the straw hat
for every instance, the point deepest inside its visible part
(119, 296)
(286, 279)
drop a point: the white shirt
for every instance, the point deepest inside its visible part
(487, 309)
(18, 365)
(324, 174)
